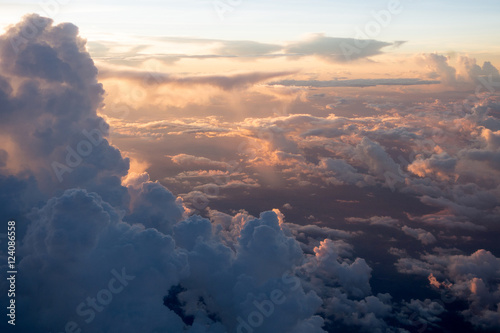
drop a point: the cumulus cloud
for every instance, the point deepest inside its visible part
(423, 236)
(91, 236)
(123, 250)
(471, 278)
(439, 66)
(353, 277)
(50, 117)
(341, 172)
(441, 165)
(466, 72)
(424, 313)
(82, 238)
(374, 156)
(223, 272)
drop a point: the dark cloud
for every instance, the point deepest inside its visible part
(51, 116)
(471, 278)
(422, 235)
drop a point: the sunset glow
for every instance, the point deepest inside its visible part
(250, 166)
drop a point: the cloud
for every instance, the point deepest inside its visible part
(471, 278)
(50, 118)
(424, 313)
(198, 162)
(353, 277)
(153, 206)
(446, 219)
(374, 156)
(474, 72)
(441, 165)
(360, 83)
(386, 221)
(246, 48)
(336, 49)
(107, 254)
(331, 49)
(237, 48)
(222, 271)
(81, 237)
(439, 65)
(466, 73)
(311, 235)
(341, 172)
(225, 82)
(423, 236)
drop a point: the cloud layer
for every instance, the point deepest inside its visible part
(129, 255)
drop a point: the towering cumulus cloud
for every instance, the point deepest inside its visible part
(49, 126)
(99, 255)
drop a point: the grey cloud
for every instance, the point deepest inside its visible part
(82, 238)
(223, 265)
(228, 82)
(198, 162)
(336, 49)
(52, 113)
(484, 77)
(246, 48)
(79, 239)
(426, 312)
(422, 235)
(439, 65)
(449, 221)
(332, 49)
(3, 158)
(340, 172)
(240, 48)
(471, 278)
(386, 221)
(354, 83)
(374, 156)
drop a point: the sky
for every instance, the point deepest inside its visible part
(250, 166)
